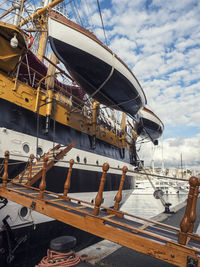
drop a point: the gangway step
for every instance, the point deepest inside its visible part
(34, 171)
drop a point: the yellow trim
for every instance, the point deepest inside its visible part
(27, 97)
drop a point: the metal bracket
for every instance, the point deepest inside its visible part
(192, 262)
(33, 204)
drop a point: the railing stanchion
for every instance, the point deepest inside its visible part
(118, 196)
(68, 180)
(187, 221)
(30, 169)
(5, 174)
(99, 197)
(43, 180)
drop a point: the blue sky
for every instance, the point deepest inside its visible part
(160, 42)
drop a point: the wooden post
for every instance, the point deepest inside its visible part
(30, 169)
(68, 180)
(43, 182)
(99, 197)
(118, 196)
(193, 209)
(5, 174)
(185, 224)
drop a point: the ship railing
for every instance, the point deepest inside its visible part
(118, 168)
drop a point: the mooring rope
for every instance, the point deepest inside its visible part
(55, 258)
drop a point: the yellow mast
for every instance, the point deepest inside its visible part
(40, 12)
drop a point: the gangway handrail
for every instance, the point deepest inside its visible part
(177, 246)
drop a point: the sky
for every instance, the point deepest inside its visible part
(160, 42)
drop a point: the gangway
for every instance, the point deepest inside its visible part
(177, 246)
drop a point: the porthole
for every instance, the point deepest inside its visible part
(78, 159)
(23, 212)
(118, 166)
(85, 160)
(39, 151)
(26, 148)
(97, 162)
(26, 100)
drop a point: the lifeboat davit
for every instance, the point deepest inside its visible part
(150, 125)
(94, 66)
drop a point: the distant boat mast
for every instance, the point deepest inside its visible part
(181, 166)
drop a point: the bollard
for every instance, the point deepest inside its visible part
(68, 180)
(185, 224)
(30, 169)
(118, 196)
(5, 174)
(43, 180)
(99, 197)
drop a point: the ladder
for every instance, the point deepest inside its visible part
(34, 171)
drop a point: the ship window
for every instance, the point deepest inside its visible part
(26, 99)
(39, 151)
(26, 148)
(78, 159)
(97, 162)
(85, 160)
(23, 212)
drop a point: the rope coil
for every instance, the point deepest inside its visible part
(55, 258)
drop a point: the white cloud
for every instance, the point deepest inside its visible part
(171, 150)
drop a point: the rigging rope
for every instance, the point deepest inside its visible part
(99, 8)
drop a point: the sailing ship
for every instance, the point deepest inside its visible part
(40, 110)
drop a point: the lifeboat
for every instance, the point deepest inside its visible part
(151, 126)
(94, 66)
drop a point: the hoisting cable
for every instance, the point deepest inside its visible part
(158, 194)
(99, 8)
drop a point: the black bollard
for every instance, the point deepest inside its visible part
(63, 244)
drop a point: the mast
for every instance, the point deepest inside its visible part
(181, 167)
(43, 38)
(17, 6)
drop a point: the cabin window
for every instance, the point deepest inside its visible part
(85, 160)
(26, 148)
(23, 212)
(26, 100)
(78, 159)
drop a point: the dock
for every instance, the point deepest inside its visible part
(170, 244)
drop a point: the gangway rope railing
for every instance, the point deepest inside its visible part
(111, 168)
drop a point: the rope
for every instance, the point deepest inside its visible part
(99, 8)
(55, 258)
(106, 80)
(153, 186)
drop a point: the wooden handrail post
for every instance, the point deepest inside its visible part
(185, 224)
(99, 196)
(118, 196)
(43, 180)
(68, 180)
(30, 169)
(5, 174)
(193, 209)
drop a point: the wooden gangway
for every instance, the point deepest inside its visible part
(178, 246)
